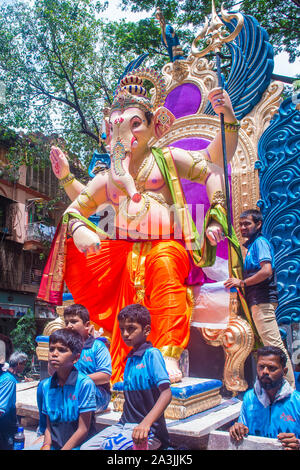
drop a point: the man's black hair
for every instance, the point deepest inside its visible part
(69, 338)
(273, 351)
(136, 313)
(256, 215)
(77, 310)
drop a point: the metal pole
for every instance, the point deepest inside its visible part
(227, 190)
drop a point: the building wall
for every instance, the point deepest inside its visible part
(21, 263)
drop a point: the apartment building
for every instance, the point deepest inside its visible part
(24, 241)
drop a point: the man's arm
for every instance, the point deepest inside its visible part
(100, 378)
(47, 437)
(141, 431)
(260, 276)
(84, 422)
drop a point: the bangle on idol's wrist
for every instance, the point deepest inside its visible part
(78, 226)
(67, 180)
(71, 225)
(218, 198)
(232, 126)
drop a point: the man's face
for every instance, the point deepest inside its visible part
(60, 356)
(270, 372)
(75, 323)
(248, 227)
(20, 367)
(133, 333)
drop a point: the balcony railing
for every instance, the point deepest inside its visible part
(39, 232)
(32, 276)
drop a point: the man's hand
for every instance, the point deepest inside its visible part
(59, 162)
(28, 379)
(221, 103)
(214, 233)
(238, 431)
(232, 282)
(140, 433)
(289, 441)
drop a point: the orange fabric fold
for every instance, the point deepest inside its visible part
(107, 281)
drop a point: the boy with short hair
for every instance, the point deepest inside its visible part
(95, 360)
(146, 390)
(69, 397)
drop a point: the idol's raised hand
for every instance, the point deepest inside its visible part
(221, 103)
(59, 162)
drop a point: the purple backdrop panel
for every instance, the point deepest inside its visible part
(184, 100)
(192, 143)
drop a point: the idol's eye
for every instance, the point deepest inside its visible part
(135, 123)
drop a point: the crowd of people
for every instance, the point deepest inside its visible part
(80, 370)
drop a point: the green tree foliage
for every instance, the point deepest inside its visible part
(280, 18)
(58, 70)
(23, 336)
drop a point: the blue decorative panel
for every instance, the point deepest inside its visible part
(251, 66)
(279, 179)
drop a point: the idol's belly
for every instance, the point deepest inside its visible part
(148, 219)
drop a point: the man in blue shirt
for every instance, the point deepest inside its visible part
(272, 407)
(260, 283)
(8, 383)
(95, 360)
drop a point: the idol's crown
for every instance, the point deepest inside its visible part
(131, 93)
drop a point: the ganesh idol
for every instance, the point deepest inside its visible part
(147, 255)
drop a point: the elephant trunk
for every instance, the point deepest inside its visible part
(121, 146)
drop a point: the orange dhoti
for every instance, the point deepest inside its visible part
(152, 273)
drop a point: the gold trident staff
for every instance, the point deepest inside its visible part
(217, 36)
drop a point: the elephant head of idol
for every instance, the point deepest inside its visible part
(133, 121)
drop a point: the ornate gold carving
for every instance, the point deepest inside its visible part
(43, 348)
(237, 341)
(179, 71)
(219, 198)
(181, 409)
(57, 323)
(215, 32)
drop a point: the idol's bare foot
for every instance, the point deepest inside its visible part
(174, 372)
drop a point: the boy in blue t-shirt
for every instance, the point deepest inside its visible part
(95, 360)
(146, 389)
(69, 397)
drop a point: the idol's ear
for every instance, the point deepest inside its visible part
(163, 120)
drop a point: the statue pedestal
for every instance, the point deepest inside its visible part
(190, 396)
